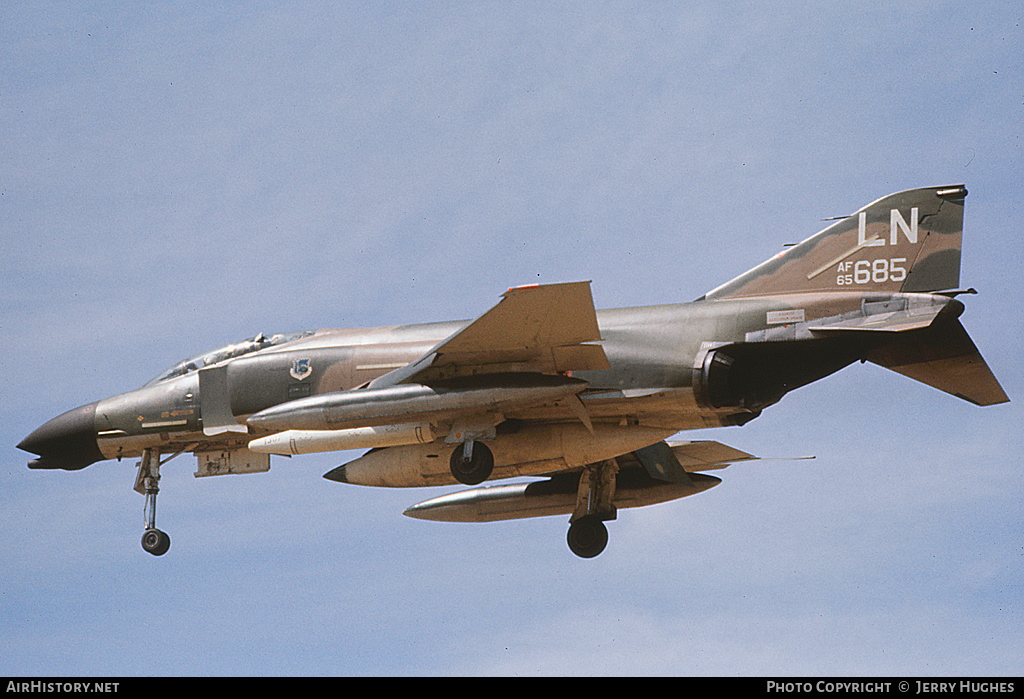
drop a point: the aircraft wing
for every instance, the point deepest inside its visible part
(707, 455)
(518, 353)
(538, 329)
(643, 479)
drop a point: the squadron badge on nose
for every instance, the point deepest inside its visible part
(301, 368)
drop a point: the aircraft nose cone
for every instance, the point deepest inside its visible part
(67, 441)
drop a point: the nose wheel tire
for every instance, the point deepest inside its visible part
(156, 542)
(587, 536)
(476, 468)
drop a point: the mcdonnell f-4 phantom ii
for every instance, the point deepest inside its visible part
(543, 385)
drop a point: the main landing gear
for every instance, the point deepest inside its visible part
(588, 535)
(471, 462)
(147, 482)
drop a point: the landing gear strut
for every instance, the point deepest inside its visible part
(588, 535)
(147, 482)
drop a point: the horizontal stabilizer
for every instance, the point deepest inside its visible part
(944, 357)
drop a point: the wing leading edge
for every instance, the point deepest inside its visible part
(543, 329)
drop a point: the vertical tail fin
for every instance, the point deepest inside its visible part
(905, 242)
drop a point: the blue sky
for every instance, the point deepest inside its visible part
(174, 179)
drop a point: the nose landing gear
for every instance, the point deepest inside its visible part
(155, 541)
(147, 482)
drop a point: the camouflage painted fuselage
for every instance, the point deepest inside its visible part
(542, 384)
(863, 288)
(666, 368)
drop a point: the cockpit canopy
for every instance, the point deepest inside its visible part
(231, 351)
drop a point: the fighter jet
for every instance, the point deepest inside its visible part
(544, 386)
